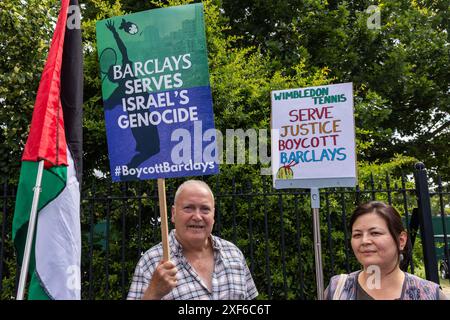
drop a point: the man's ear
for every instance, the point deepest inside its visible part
(172, 211)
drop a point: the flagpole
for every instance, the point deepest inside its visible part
(163, 215)
(30, 233)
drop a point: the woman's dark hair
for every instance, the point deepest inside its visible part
(393, 222)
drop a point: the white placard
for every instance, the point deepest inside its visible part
(313, 137)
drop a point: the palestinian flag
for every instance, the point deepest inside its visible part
(56, 138)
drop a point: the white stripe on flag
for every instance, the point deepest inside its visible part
(58, 241)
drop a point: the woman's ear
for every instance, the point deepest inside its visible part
(403, 238)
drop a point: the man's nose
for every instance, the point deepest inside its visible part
(197, 214)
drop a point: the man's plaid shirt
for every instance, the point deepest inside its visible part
(231, 279)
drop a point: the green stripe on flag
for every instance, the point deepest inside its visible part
(35, 290)
(53, 183)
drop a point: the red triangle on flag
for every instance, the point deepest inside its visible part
(47, 139)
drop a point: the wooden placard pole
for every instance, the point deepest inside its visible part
(163, 215)
(315, 205)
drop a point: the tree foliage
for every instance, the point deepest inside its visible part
(400, 69)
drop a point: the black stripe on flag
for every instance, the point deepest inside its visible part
(72, 86)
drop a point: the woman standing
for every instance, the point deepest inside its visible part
(379, 243)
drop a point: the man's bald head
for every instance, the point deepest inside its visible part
(192, 183)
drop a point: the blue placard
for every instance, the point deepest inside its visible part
(186, 148)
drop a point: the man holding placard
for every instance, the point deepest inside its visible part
(160, 124)
(203, 266)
